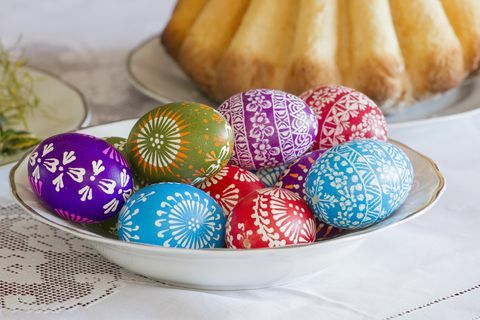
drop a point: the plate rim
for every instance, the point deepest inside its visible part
(87, 112)
(162, 98)
(87, 116)
(137, 83)
(436, 195)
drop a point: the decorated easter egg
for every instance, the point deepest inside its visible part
(294, 177)
(172, 215)
(119, 144)
(325, 231)
(271, 127)
(343, 115)
(358, 183)
(180, 142)
(230, 185)
(79, 177)
(270, 218)
(269, 176)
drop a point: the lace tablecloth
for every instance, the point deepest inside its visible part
(425, 269)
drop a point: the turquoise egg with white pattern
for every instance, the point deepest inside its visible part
(359, 183)
(172, 215)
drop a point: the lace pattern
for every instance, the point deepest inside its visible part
(43, 269)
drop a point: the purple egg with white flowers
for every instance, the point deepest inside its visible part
(293, 178)
(270, 127)
(79, 177)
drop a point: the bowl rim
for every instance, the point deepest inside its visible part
(440, 189)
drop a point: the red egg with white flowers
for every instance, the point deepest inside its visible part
(344, 114)
(230, 185)
(270, 218)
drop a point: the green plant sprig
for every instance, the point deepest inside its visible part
(17, 99)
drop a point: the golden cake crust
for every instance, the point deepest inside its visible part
(464, 18)
(183, 17)
(431, 50)
(377, 66)
(395, 51)
(204, 46)
(312, 57)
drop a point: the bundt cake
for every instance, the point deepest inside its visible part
(395, 51)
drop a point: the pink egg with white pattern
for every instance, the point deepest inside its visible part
(344, 114)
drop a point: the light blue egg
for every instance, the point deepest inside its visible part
(172, 215)
(269, 176)
(359, 183)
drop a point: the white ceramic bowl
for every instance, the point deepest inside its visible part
(225, 269)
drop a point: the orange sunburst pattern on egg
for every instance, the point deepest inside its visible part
(178, 142)
(160, 144)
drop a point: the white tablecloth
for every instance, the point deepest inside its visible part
(426, 269)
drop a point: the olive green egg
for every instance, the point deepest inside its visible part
(184, 142)
(118, 143)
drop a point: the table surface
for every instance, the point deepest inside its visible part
(425, 269)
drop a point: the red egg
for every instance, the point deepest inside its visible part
(270, 218)
(230, 185)
(344, 114)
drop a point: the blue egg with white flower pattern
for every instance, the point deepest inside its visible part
(172, 215)
(359, 183)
